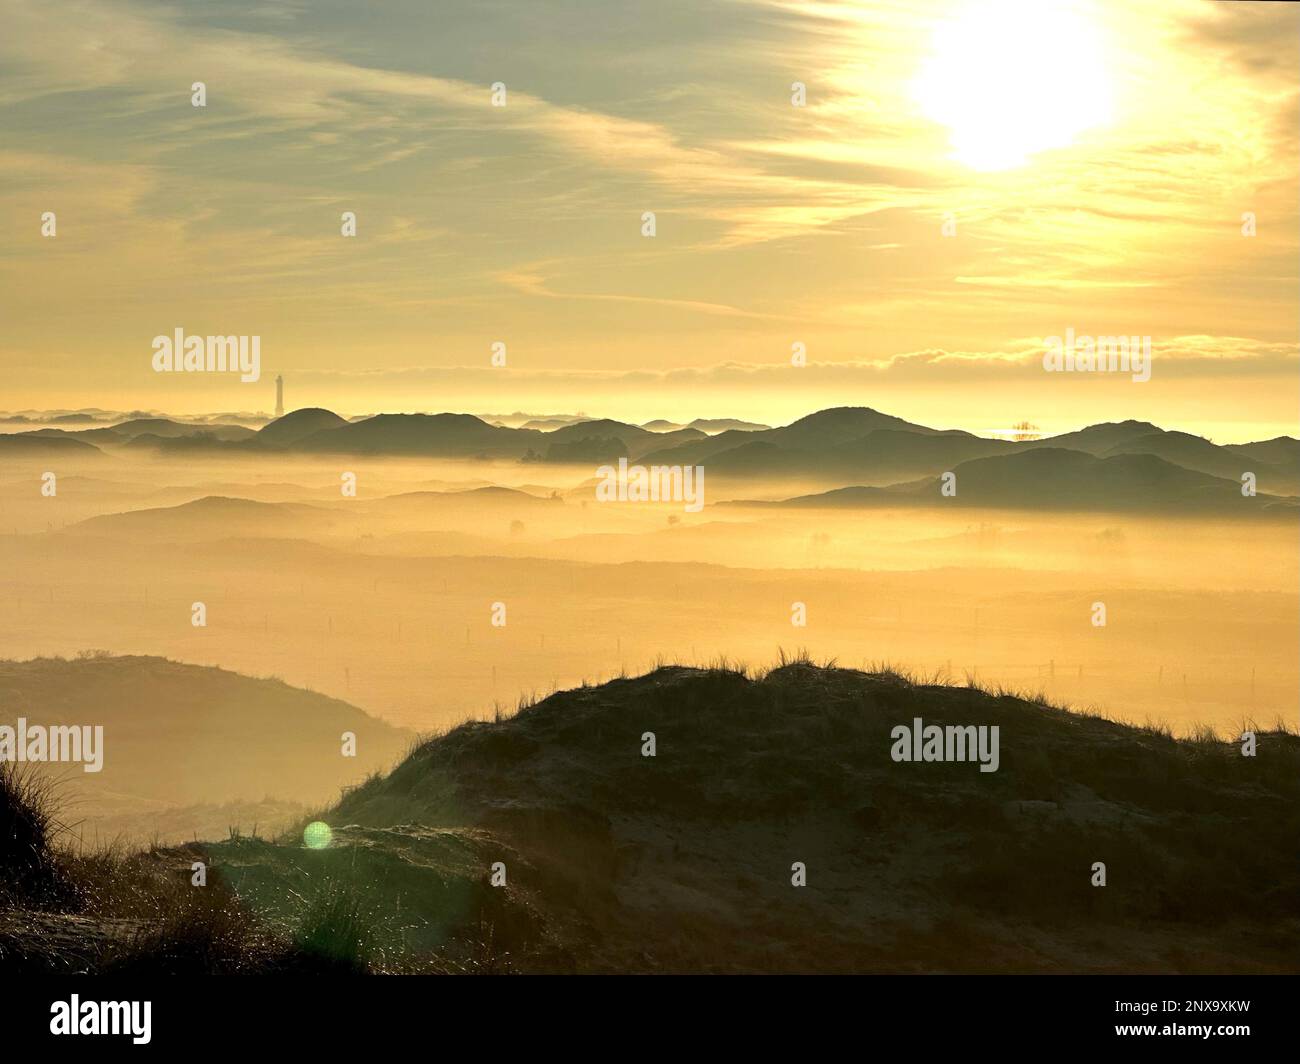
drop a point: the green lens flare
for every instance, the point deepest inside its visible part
(317, 835)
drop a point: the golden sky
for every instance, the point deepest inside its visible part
(1093, 161)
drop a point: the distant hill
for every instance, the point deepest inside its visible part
(174, 429)
(1095, 439)
(36, 445)
(546, 424)
(1281, 451)
(585, 450)
(858, 445)
(839, 425)
(198, 443)
(181, 734)
(298, 425)
(713, 425)
(810, 436)
(157, 428)
(883, 455)
(637, 441)
(478, 500)
(214, 516)
(448, 435)
(430, 513)
(869, 451)
(837, 447)
(1054, 479)
(895, 453)
(709, 425)
(1198, 453)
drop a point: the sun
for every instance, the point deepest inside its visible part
(1010, 78)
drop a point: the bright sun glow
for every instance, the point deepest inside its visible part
(1012, 78)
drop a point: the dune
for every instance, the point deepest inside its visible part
(1053, 479)
(215, 517)
(1199, 454)
(158, 428)
(298, 425)
(635, 439)
(774, 829)
(460, 435)
(178, 735)
(1095, 439)
(713, 425)
(26, 445)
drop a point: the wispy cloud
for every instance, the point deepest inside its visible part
(822, 224)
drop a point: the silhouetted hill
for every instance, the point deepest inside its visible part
(1198, 453)
(37, 445)
(449, 435)
(212, 517)
(799, 447)
(831, 442)
(698, 451)
(856, 444)
(590, 439)
(187, 734)
(1052, 479)
(882, 454)
(298, 425)
(709, 425)
(431, 513)
(1095, 439)
(1281, 451)
(887, 453)
(546, 424)
(839, 425)
(586, 450)
(199, 442)
(476, 500)
(840, 445)
(158, 428)
(713, 425)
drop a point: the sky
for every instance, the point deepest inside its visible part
(962, 182)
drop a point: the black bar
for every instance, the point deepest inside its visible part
(670, 1015)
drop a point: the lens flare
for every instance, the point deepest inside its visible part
(317, 835)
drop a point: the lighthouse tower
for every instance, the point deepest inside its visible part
(279, 396)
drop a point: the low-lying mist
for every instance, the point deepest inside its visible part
(386, 599)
